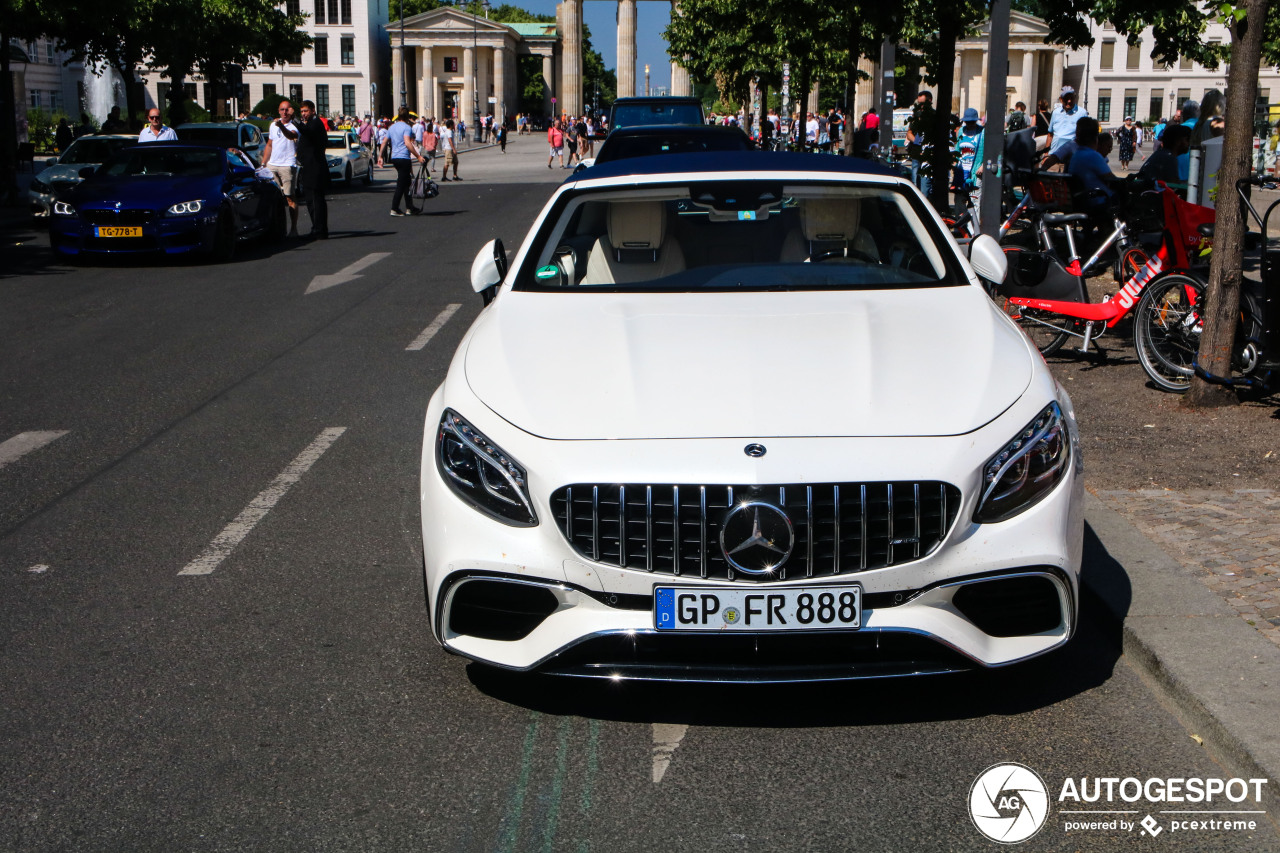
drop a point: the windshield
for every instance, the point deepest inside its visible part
(630, 115)
(93, 150)
(621, 146)
(338, 143)
(216, 135)
(165, 162)
(734, 235)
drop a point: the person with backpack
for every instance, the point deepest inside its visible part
(1017, 119)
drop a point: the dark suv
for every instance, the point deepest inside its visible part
(633, 112)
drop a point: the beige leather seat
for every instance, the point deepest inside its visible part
(636, 247)
(828, 225)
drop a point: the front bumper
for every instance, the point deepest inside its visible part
(601, 621)
(75, 235)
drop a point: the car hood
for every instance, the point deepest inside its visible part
(145, 192)
(936, 361)
(62, 173)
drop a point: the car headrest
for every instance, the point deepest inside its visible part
(830, 219)
(637, 224)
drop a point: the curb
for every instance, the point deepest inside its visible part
(1218, 675)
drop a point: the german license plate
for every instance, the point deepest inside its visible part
(753, 610)
(118, 230)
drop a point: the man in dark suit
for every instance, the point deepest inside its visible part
(313, 168)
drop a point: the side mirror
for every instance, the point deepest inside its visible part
(87, 171)
(51, 162)
(488, 269)
(987, 259)
(242, 172)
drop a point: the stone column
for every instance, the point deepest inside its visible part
(626, 48)
(681, 84)
(957, 87)
(466, 109)
(1057, 78)
(814, 93)
(397, 77)
(1026, 93)
(571, 59)
(548, 82)
(981, 96)
(864, 93)
(499, 84)
(427, 85)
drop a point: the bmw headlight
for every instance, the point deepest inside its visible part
(62, 208)
(38, 186)
(481, 473)
(1027, 469)
(185, 208)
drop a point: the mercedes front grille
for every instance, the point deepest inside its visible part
(675, 529)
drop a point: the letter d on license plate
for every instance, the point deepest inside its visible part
(754, 610)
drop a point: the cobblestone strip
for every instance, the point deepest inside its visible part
(1230, 540)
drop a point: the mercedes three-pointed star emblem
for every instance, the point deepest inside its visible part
(756, 538)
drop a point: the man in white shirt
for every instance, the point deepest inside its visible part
(811, 132)
(155, 131)
(281, 158)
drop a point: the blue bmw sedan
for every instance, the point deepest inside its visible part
(169, 198)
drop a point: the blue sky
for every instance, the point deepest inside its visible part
(601, 17)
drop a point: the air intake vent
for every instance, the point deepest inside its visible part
(1011, 607)
(498, 610)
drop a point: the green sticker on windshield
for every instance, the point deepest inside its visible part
(549, 271)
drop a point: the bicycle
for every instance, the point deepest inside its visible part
(1167, 324)
(1048, 298)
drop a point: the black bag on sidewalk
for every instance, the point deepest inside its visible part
(423, 187)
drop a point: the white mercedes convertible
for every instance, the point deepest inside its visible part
(747, 417)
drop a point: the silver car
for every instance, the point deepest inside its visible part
(63, 172)
(348, 157)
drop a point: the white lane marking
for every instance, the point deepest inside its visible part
(351, 272)
(666, 737)
(38, 569)
(25, 442)
(430, 331)
(235, 532)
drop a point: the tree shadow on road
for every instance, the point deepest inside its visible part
(1083, 664)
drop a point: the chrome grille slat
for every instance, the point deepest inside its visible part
(838, 538)
(648, 528)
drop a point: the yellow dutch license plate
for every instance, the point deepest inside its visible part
(118, 230)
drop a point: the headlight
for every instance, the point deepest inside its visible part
(1027, 469)
(482, 474)
(185, 208)
(38, 186)
(335, 161)
(62, 208)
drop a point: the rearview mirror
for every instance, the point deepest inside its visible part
(987, 259)
(488, 269)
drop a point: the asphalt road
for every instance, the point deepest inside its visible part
(159, 417)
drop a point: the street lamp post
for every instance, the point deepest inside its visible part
(646, 81)
(475, 62)
(404, 94)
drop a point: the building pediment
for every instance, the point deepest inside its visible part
(446, 19)
(1024, 29)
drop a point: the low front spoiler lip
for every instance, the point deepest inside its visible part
(558, 663)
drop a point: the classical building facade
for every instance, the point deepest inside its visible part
(346, 71)
(1035, 70)
(1116, 80)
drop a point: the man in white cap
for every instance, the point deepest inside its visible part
(1062, 124)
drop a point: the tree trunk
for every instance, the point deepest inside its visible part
(8, 129)
(135, 102)
(940, 135)
(1222, 296)
(851, 85)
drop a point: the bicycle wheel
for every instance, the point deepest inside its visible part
(1042, 327)
(1166, 330)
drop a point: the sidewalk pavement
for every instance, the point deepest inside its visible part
(1220, 674)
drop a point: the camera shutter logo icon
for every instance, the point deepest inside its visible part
(1008, 803)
